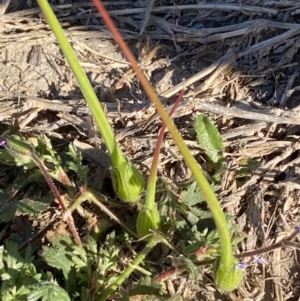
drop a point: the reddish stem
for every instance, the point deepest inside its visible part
(153, 171)
(67, 215)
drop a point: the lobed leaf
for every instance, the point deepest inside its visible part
(57, 258)
(48, 292)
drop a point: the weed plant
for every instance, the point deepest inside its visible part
(96, 260)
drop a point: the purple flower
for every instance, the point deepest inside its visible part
(297, 229)
(2, 142)
(242, 265)
(259, 260)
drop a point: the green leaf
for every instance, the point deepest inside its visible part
(248, 167)
(76, 165)
(57, 258)
(48, 292)
(30, 206)
(8, 212)
(3, 196)
(193, 195)
(209, 138)
(23, 291)
(26, 206)
(78, 262)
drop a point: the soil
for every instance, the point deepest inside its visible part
(238, 60)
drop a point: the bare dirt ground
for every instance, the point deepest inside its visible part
(239, 61)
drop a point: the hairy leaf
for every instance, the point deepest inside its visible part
(26, 206)
(48, 292)
(57, 258)
(76, 163)
(209, 138)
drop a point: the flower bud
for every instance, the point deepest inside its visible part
(228, 278)
(127, 181)
(148, 219)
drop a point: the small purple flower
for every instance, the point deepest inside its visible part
(2, 142)
(242, 265)
(259, 260)
(297, 229)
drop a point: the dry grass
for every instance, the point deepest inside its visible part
(239, 61)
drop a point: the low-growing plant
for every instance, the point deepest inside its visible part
(88, 270)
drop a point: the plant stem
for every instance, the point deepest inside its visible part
(67, 214)
(89, 196)
(139, 258)
(84, 83)
(227, 258)
(26, 153)
(150, 193)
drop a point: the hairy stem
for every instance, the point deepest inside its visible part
(227, 258)
(84, 84)
(137, 261)
(89, 196)
(67, 214)
(26, 153)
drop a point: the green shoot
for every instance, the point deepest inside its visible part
(148, 219)
(156, 238)
(127, 180)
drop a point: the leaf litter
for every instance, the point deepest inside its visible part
(239, 61)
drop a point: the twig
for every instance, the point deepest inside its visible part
(239, 110)
(149, 8)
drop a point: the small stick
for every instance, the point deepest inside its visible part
(147, 15)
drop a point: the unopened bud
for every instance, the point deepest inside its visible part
(148, 220)
(228, 278)
(127, 181)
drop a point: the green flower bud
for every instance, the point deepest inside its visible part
(228, 278)
(127, 181)
(148, 219)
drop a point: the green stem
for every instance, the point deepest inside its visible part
(151, 186)
(139, 258)
(84, 84)
(227, 258)
(89, 196)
